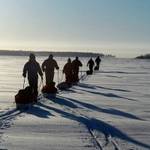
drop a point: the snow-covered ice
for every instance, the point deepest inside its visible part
(109, 110)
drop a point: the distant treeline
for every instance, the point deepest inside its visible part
(46, 53)
(146, 56)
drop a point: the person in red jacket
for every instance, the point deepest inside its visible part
(32, 69)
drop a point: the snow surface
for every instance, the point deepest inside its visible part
(109, 110)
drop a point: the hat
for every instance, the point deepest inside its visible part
(32, 56)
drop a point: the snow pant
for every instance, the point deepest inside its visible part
(49, 77)
(91, 69)
(33, 82)
(97, 66)
(75, 76)
(69, 78)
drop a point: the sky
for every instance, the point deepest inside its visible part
(118, 27)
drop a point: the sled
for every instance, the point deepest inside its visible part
(64, 86)
(23, 106)
(25, 98)
(49, 91)
(49, 95)
(89, 72)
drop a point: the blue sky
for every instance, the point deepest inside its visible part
(120, 27)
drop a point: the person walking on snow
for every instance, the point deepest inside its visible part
(91, 65)
(97, 61)
(67, 70)
(48, 66)
(32, 69)
(75, 66)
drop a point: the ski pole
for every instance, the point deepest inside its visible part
(41, 83)
(24, 82)
(58, 76)
(62, 76)
(81, 72)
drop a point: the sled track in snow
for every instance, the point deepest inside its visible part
(108, 140)
(6, 120)
(95, 139)
(7, 117)
(111, 140)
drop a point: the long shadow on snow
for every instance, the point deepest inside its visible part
(70, 90)
(114, 89)
(113, 76)
(10, 114)
(7, 117)
(39, 112)
(101, 87)
(110, 111)
(123, 72)
(63, 101)
(35, 110)
(95, 124)
(83, 85)
(108, 95)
